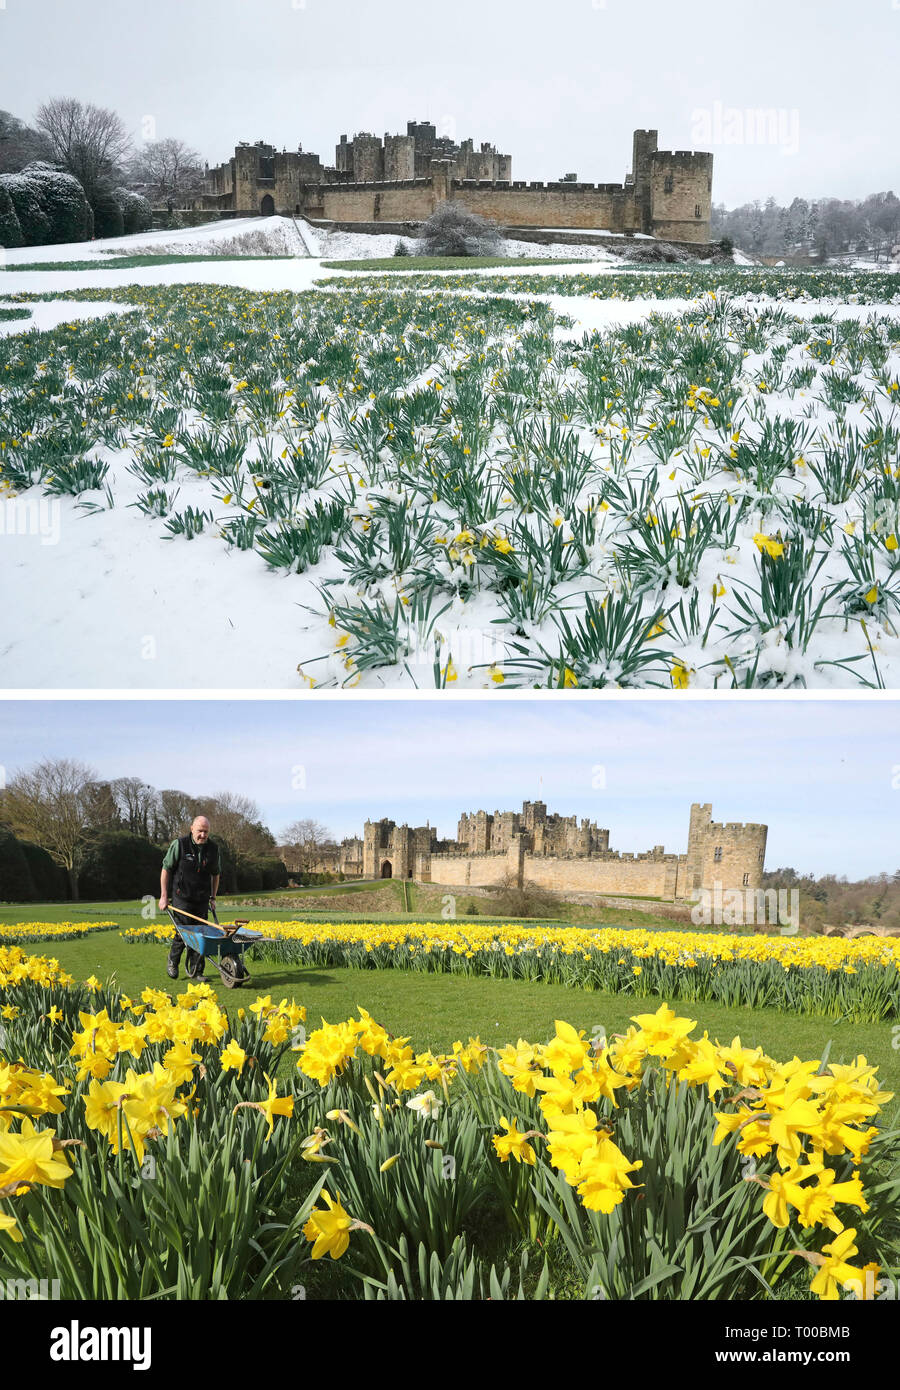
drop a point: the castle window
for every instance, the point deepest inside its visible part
(696, 209)
(718, 854)
(760, 856)
(669, 184)
(746, 880)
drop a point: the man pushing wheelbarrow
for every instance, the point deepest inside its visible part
(189, 881)
(188, 884)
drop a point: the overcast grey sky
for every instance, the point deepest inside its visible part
(823, 775)
(560, 86)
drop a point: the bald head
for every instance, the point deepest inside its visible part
(199, 829)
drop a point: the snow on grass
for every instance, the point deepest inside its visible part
(402, 487)
(50, 314)
(187, 239)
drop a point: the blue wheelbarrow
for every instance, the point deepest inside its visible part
(224, 946)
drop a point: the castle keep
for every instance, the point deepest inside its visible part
(555, 852)
(403, 178)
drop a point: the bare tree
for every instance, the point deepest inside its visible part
(174, 816)
(88, 141)
(166, 171)
(49, 805)
(101, 806)
(138, 804)
(237, 819)
(527, 900)
(305, 839)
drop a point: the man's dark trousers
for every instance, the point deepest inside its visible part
(194, 963)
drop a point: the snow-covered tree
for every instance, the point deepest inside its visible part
(64, 202)
(49, 206)
(25, 192)
(10, 231)
(19, 144)
(137, 215)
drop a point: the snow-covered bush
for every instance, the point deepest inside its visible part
(108, 217)
(49, 206)
(137, 214)
(10, 231)
(452, 230)
(64, 202)
(25, 194)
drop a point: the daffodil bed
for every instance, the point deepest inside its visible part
(465, 491)
(788, 286)
(18, 932)
(830, 977)
(146, 1150)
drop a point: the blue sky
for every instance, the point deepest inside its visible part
(818, 773)
(559, 87)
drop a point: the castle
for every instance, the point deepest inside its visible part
(555, 852)
(401, 179)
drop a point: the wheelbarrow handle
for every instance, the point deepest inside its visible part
(182, 913)
(229, 928)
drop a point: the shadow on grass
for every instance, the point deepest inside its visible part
(290, 975)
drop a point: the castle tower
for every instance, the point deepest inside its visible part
(533, 813)
(515, 859)
(700, 819)
(399, 157)
(643, 148)
(731, 855)
(680, 206)
(441, 171)
(376, 846)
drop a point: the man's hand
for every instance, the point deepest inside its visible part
(163, 902)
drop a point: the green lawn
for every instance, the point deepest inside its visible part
(443, 262)
(426, 904)
(434, 1010)
(130, 914)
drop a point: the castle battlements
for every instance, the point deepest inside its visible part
(534, 845)
(403, 178)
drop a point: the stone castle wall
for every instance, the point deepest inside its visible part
(668, 195)
(577, 206)
(397, 201)
(642, 877)
(554, 852)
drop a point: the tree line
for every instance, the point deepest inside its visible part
(76, 173)
(823, 228)
(67, 834)
(837, 902)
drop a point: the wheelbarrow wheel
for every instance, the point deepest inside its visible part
(232, 972)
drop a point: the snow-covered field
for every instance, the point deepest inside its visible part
(273, 236)
(493, 483)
